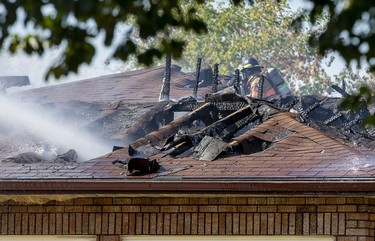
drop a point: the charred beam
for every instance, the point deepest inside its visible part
(215, 78)
(223, 129)
(332, 118)
(237, 81)
(171, 129)
(165, 89)
(304, 112)
(198, 70)
(260, 87)
(227, 126)
(222, 106)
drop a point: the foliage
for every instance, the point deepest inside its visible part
(164, 27)
(354, 79)
(71, 25)
(350, 31)
(262, 30)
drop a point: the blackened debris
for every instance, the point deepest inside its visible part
(215, 76)
(141, 166)
(324, 113)
(226, 124)
(132, 151)
(250, 144)
(227, 94)
(24, 158)
(115, 148)
(165, 89)
(143, 151)
(209, 148)
(342, 89)
(69, 156)
(32, 157)
(159, 115)
(206, 77)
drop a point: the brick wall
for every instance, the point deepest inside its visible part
(347, 218)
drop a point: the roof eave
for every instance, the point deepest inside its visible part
(180, 187)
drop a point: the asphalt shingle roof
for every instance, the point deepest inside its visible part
(131, 87)
(297, 150)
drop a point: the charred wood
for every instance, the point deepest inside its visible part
(165, 89)
(198, 70)
(215, 78)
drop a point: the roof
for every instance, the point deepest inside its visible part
(131, 87)
(283, 155)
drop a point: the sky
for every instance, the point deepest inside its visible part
(36, 67)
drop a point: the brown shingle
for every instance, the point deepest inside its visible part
(297, 150)
(131, 87)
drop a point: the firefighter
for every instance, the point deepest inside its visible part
(262, 84)
(251, 75)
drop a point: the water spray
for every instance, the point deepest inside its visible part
(22, 117)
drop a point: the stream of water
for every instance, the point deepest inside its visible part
(22, 117)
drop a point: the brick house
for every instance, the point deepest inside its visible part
(306, 185)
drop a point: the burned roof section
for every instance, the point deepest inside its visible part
(229, 127)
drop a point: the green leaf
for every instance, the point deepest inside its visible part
(147, 57)
(124, 50)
